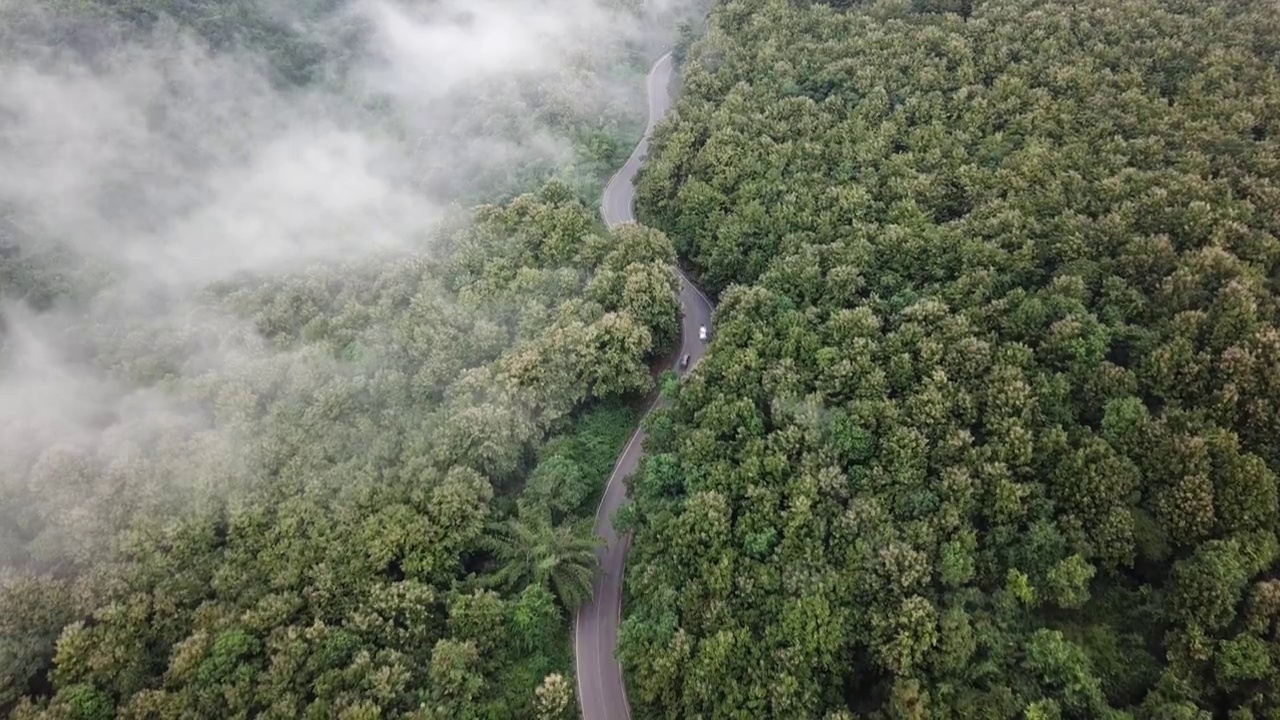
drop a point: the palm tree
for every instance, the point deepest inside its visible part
(533, 551)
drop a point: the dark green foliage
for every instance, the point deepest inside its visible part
(989, 425)
(530, 551)
(598, 436)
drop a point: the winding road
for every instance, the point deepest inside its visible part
(601, 692)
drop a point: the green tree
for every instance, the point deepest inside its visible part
(532, 551)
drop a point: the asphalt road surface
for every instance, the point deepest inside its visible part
(601, 692)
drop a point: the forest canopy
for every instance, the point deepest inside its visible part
(990, 424)
(328, 531)
(291, 424)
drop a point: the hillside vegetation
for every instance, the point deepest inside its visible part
(380, 506)
(284, 431)
(990, 424)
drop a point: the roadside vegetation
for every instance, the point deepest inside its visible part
(359, 489)
(990, 426)
(389, 509)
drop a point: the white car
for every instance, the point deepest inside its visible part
(702, 332)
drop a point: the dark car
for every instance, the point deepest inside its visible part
(684, 360)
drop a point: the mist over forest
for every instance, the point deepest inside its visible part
(304, 308)
(316, 357)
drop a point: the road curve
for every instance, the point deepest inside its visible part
(601, 693)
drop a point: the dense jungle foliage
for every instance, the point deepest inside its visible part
(384, 502)
(361, 488)
(990, 424)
